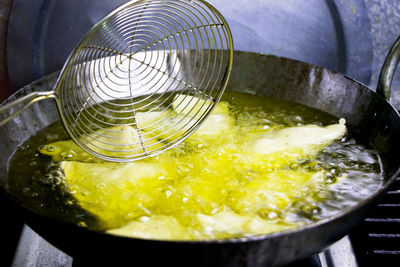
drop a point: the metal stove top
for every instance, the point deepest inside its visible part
(34, 251)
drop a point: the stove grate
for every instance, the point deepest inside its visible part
(377, 239)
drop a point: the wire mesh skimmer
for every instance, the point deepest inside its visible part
(142, 79)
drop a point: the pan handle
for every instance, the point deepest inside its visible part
(388, 70)
(13, 109)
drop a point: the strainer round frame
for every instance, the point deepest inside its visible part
(142, 79)
(167, 58)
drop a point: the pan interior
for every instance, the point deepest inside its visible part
(37, 181)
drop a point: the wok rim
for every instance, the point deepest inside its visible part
(383, 188)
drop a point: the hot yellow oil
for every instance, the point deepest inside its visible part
(213, 186)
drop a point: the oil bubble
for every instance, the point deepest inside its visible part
(26, 189)
(69, 202)
(268, 214)
(294, 166)
(47, 148)
(82, 224)
(311, 210)
(144, 219)
(68, 154)
(272, 215)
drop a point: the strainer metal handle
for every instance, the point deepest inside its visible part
(11, 110)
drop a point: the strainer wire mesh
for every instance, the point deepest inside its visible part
(136, 61)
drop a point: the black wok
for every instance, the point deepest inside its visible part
(369, 116)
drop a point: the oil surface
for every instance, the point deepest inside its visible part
(211, 187)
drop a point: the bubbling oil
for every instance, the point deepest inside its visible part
(210, 187)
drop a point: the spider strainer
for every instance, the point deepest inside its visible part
(142, 79)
